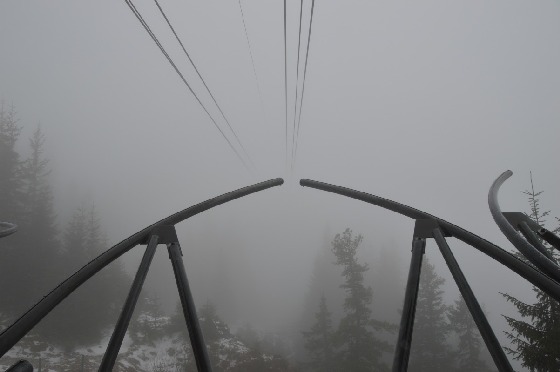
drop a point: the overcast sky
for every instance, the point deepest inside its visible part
(425, 103)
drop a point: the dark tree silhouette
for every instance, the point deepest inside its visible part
(467, 356)
(430, 350)
(319, 340)
(358, 347)
(11, 210)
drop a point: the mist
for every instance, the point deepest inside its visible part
(425, 104)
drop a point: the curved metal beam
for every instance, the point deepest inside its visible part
(532, 238)
(550, 237)
(7, 228)
(526, 249)
(505, 258)
(21, 366)
(11, 335)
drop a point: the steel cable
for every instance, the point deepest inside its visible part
(304, 78)
(286, 81)
(297, 83)
(155, 39)
(251, 55)
(204, 82)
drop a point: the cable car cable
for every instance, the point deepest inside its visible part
(297, 83)
(286, 81)
(251, 55)
(304, 77)
(155, 39)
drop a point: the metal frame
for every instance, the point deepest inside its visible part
(21, 366)
(161, 235)
(404, 340)
(525, 247)
(545, 274)
(528, 272)
(550, 238)
(17, 330)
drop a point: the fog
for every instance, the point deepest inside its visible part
(423, 103)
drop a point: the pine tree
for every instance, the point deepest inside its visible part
(324, 281)
(10, 211)
(97, 303)
(536, 339)
(248, 335)
(228, 352)
(429, 349)
(74, 247)
(359, 349)
(40, 247)
(319, 340)
(213, 329)
(10, 167)
(467, 356)
(148, 323)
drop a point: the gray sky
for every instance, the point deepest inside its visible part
(425, 103)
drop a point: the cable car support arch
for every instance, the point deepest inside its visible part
(542, 271)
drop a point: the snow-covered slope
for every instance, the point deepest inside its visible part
(149, 346)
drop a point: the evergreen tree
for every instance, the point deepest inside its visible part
(149, 322)
(387, 279)
(74, 247)
(228, 352)
(10, 167)
(27, 259)
(359, 349)
(536, 339)
(319, 340)
(467, 357)
(40, 247)
(248, 335)
(429, 349)
(10, 211)
(324, 281)
(213, 329)
(97, 303)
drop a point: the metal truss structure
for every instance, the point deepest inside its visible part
(521, 231)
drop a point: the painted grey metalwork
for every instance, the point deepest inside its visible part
(404, 340)
(533, 239)
(11, 335)
(550, 237)
(530, 252)
(117, 337)
(21, 366)
(533, 275)
(479, 318)
(7, 229)
(165, 235)
(441, 228)
(545, 274)
(526, 226)
(189, 309)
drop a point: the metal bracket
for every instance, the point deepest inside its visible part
(515, 218)
(424, 228)
(166, 234)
